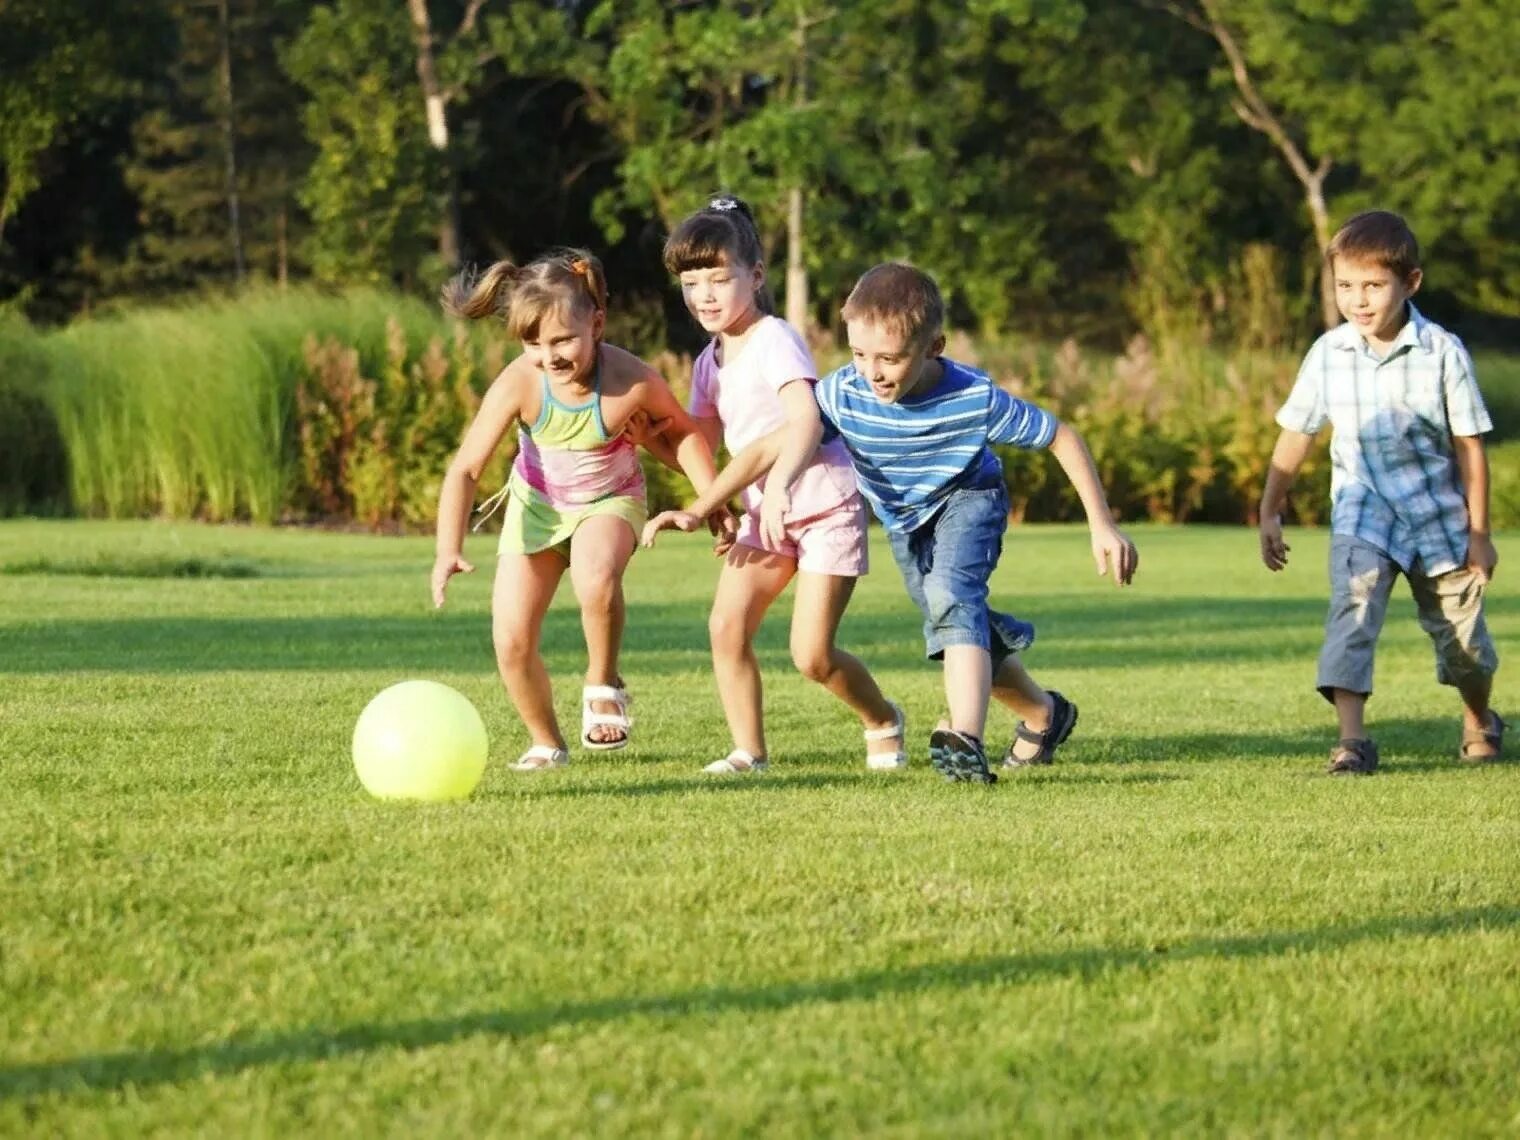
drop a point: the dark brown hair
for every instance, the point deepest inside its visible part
(721, 233)
(563, 280)
(899, 297)
(1379, 236)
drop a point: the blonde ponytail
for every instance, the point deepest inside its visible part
(475, 295)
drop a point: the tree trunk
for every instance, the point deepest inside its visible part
(796, 266)
(797, 314)
(229, 142)
(1314, 194)
(435, 104)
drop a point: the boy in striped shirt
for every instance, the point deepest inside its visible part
(918, 428)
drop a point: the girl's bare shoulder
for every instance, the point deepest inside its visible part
(623, 370)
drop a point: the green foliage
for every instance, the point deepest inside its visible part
(375, 450)
(33, 462)
(58, 64)
(178, 168)
(188, 412)
(373, 189)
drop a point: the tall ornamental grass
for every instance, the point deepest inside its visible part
(187, 412)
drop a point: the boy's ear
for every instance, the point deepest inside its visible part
(936, 346)
(598, 324)
(1412, 282)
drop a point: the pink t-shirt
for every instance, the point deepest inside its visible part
(745, 395)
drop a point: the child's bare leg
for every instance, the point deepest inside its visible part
(817, 609)
(599, 554)
(1017, 690)
(524, 587)
(750, 582)
(968, 684)
(1475, 692)
(1349, 711)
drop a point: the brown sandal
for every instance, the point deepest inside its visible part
(1353, 758)
(1492, 737)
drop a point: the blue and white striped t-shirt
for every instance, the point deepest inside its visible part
(911, 455)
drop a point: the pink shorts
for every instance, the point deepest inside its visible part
(831, 543)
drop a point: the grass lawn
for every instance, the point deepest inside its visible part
(1182, 927)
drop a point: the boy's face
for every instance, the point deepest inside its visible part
(1372, 296)
(895, 366)
(723, 296)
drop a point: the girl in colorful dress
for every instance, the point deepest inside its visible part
(575, 497)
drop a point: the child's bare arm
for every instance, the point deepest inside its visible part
(1472, 465)
(742, 470)
(681, 439)
(804, 432)
(1111, 548)
(498, 409)
(1288, 455)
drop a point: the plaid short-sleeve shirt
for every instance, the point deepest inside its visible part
(1394, 477)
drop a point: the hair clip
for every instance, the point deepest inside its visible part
(723, 203)
(580, 267)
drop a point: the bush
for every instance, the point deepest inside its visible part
(33, 461)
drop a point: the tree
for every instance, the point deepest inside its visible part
(1306, 75)
(58, 64)
(374, 185)
(215, 157)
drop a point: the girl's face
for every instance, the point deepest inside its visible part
(564, 344)
(722, 297)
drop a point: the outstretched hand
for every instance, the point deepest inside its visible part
(1113, 551)
(443, 570)
(667, 520)
(1274, 551)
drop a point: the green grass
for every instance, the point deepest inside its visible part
(1180, 928)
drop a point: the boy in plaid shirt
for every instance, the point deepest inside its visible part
(1409, 489)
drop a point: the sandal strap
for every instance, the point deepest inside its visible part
(606, 693)
(892, 731)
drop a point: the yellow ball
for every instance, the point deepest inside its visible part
(420, 740)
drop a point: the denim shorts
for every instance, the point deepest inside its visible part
(1450, 609)
(946, 564)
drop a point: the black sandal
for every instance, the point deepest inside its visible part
(959, 757)
(1063, 718)
(1353, 758)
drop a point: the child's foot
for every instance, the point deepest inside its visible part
(541, 757)
(1038, 745)
(1353, 758)
(1480, 745)
(737, 763)
(885, 746)
(605, 719)
(958, 757)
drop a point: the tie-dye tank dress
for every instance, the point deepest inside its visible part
(566, 472)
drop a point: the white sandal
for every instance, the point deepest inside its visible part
(888, 761)
(620, 719)
(541, 757)
(736, 763)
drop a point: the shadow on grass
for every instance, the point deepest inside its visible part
(702, 784)
(1405, 744)
(1076, 631)
(113, 1071)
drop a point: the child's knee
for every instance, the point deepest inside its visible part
(514, 645)
(726, 631)
(814, 660)
(947, 609)
(599, 587)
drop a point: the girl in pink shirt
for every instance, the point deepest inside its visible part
(805, 520)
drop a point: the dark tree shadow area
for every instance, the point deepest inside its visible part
(668, 638)
(149, 1067)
